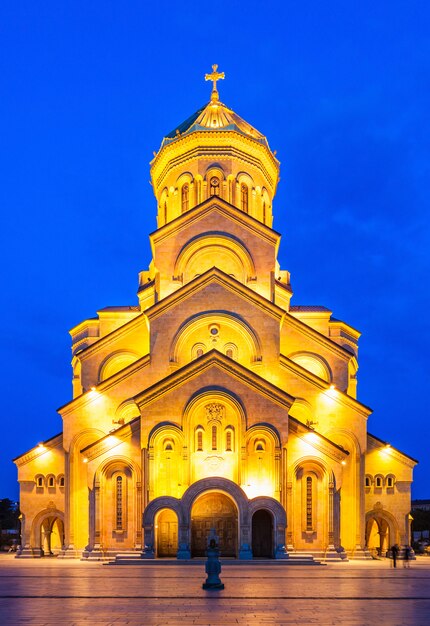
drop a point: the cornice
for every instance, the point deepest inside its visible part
(112, 439)
(320, 442)
(214, 275)
(339, 396)
(318, 337)
(34, 453)
(199, 142)
(374, 443)
(103, 342)
(212, 359)
(353, 332)
(87, 398)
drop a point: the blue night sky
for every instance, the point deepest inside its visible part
(340, 88)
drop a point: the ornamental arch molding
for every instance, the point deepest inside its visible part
(314, 463)
(232, 330)
(216, 484)
(158, 504)
(117, 463)
(214, 248)
(208, 396)
(165, 429)
(272, 506)
(116, 362)
(313, 363)
(262, 428)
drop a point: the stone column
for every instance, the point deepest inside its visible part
(290, 511)
(96, 552)
(138, 517)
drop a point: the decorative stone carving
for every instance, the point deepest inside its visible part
(215, 412)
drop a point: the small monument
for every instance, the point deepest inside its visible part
(213, 566)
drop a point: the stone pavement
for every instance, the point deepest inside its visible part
(51, 591)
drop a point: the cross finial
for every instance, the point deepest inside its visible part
(214, 76)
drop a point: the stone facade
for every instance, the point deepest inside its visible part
(214, 402)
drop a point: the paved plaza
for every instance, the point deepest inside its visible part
(53, 591)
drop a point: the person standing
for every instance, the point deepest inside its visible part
(406, 561)
(394, 553)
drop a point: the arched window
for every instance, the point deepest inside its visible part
(228, 441)
(199, 441)
(199, 352)
(214, 186)
(214, 438)
(390, 482)
(244, 198)
(119, 493)
(185, 197)
(264, 212)
(229, 353)
(61, 483)
(51, 482)
(39, 481)
(367, 481)
(378, 481)
(309, 503)
(260, 445)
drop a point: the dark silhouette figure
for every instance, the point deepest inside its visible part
(407, 557)
(395, 552)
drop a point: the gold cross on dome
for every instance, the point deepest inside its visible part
(214, 77)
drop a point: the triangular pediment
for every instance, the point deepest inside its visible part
(224, 212)
(214, 373)
(228, 284)
(215, 361)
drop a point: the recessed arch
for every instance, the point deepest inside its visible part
(302, 410)
(127, 411)
(313, 363)
(214, 249)
(116, 362)
(212, 395)
(232, 330)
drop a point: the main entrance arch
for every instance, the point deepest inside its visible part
(214, 510)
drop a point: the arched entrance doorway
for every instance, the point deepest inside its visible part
(262, 534)
(51, 536)
(378, 536)
(167, 533)
(214, 510)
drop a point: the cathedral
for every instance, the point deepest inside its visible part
(214, 403)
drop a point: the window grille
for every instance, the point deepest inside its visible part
(214, 186)
(244, 198)
(308, 503)
(119, 503)
(214, 438)
(228, 440)
(185, 198)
